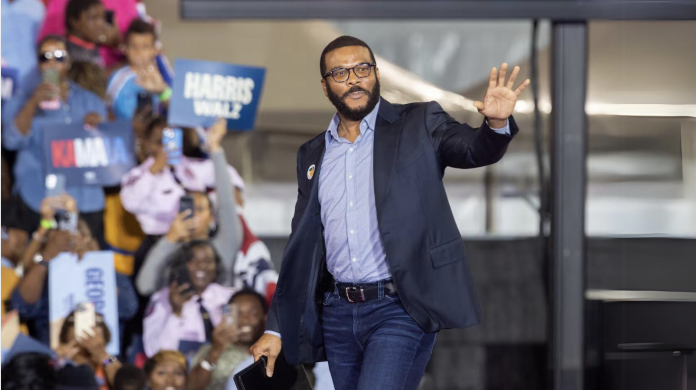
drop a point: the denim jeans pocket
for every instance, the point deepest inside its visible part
(328, 297)
(393, 296)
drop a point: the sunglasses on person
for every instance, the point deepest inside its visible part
(58, 55)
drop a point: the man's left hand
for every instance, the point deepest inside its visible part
(500, 98)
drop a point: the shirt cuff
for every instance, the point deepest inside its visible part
(273, 333)
(505, 130)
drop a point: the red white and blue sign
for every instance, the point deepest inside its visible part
(97, 157)
(204, 91)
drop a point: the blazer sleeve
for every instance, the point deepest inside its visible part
(459, 145)
(272, 323)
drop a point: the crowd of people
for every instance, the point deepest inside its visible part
(193, 287)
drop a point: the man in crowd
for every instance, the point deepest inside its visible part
(232, 339)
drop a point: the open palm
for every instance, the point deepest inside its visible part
(500, 98)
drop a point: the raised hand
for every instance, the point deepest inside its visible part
(178, 296)
(150, 79)
(500, 98)
(216, 133)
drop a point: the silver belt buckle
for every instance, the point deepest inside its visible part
(362, 294)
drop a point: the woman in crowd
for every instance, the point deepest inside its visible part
(152, 192)
(183, 315)
(38, 107)
(89, 350)
(166, 370)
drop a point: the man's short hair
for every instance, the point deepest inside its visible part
(75, 8)
(140, 26)
(338, 43)
(252, 293)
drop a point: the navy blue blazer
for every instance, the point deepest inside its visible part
(413, 144)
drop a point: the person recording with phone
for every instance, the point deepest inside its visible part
(30, 298)
(153, 193)
(39, 106)
(88, 347)
(186, 313)
(243, 321)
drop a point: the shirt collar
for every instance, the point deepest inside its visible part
(369, 120)
(82, 43)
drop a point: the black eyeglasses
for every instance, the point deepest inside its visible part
(58, 55)
(341, 75)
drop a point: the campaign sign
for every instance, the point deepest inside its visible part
(205, 90)
(9, 82)
(89, 157)
(92, 279)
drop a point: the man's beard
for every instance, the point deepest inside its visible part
(359, 113)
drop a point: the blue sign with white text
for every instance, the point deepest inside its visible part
(204, 91)
(89, 157)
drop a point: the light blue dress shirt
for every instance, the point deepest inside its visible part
(354, 251)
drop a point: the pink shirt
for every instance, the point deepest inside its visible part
(154, 199)
(162, 329)
(124, 12)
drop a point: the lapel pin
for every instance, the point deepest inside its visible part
(310, 172)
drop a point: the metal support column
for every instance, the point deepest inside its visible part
(568, 180)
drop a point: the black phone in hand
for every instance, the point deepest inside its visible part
(181, 275)
(285, 376)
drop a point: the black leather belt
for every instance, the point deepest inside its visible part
(354, 293)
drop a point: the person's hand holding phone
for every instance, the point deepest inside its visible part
(215, 135)
(95, 344)
(45, 92)
(181, 228)
(68, 351)
(161, 162)
(48, 208)
(178, 295)
(59, 241)
(224, 335)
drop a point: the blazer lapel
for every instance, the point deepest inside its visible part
(387, 130)
(316, 156)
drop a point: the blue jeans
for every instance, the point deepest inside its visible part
(374, 344)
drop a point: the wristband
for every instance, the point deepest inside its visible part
(110, 359)
(164, 96)
(208, 366)
(46, 224)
